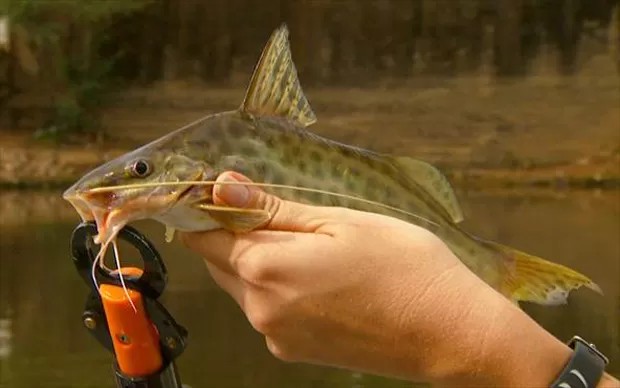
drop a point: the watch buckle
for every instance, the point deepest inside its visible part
(590, 346)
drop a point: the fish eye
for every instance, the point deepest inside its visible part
(140, 168)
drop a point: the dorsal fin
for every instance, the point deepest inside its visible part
(274, 88)
(435, 184)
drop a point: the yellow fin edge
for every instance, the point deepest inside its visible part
(540, 281)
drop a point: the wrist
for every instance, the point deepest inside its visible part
(608, 381)
(524, 355)
(501, 346)
(529, 355)
(469, 341)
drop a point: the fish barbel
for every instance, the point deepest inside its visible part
(170, 180)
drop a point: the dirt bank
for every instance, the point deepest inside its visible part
(539, 132)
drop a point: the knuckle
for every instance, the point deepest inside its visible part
(280, 351)
(272, 203)
(252, 269)
(262, 320)
(268, 202)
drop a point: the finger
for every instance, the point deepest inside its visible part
(272, 258)
(258, 257)
(229, 283)
(241, 255)
(285, 215)
(214, 246)
(233, 195)
(279, 350)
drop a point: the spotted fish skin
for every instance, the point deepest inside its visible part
(267, 140)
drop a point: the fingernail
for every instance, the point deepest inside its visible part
(233, 195)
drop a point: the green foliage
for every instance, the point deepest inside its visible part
(80, 10)
(77, 112)
(82, 75)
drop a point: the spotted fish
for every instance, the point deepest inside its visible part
(267, 140)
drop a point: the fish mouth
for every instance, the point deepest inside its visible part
(109, 218)
(81, 206)
(90, 210)
(105, 219)
(112, 209)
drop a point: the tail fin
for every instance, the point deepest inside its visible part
(540, 281)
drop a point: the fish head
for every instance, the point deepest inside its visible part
(130, 187)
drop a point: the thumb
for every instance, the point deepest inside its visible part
(285, 215)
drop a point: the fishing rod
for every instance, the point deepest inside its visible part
(146, 341)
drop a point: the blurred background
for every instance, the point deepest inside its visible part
(517, 101)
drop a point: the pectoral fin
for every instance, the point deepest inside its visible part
(236, 219)
(170, 233)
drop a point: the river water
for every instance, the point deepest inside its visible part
(43, 343)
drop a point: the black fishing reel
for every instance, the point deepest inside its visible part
(107, 320)
(150, 283)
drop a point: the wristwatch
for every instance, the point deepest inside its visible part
(584, 369)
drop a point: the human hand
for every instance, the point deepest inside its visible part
(367, 292)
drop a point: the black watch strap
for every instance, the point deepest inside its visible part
(585, 368)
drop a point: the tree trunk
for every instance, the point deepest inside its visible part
(406, 30)
(170, 49)
(306, 34)
(508, 59)
(344, 40)
(151, 55)
(571, 28)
